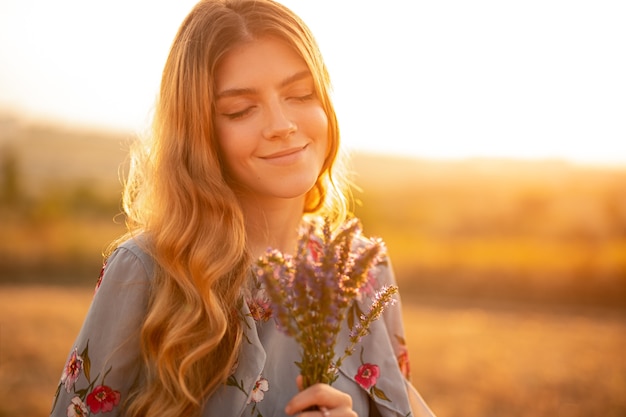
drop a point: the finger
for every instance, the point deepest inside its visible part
(299, 382)
(325, 412)
(316, 412)
(318, 395)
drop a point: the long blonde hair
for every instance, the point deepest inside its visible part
(178, 196)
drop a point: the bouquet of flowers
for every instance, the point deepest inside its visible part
(315, 291)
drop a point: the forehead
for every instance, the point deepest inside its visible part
(256, 63)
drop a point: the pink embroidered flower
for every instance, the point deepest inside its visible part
(260, 308)
(315, 249)
(72, 370)
(77, 408)
(367, 375)
(103, 398)
(258, 392)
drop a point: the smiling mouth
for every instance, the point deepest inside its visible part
(286, 152)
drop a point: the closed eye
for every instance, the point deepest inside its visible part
(303, 98)
(239, 114)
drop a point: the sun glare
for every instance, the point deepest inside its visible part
(450, 79)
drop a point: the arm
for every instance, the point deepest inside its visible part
(105, 358)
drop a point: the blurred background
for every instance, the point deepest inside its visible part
(488, 140)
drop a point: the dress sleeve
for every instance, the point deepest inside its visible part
(105, 359)
(395, 328)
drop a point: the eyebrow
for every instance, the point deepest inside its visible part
(232, 92)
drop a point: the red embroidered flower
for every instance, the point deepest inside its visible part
(99, 282)
(103, 398)
(367, 375)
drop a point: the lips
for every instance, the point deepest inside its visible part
(285, 152)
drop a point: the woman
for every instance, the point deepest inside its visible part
(244, 147)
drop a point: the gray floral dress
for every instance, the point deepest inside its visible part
(105, 359)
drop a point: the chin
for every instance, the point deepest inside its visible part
(295, 189)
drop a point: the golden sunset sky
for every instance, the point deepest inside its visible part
(437, 79)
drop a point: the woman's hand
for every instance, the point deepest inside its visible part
(330, 401)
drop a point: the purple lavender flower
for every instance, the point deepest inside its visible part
(314, 292)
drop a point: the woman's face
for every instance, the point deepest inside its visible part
(271, 127)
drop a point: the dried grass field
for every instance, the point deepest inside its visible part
(466, 361)
(513, 273)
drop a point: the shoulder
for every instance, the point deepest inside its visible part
(136, 248)
(130, 262)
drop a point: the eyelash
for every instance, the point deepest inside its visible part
(238, 114)
(242, 113)
(305, 97)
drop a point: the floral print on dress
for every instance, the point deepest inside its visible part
(367, 375)
(103, 398)
(86, 380)
(258, 392)
(259, 305)
(315, 249)
(87, 400)
(99, 282)
(403, 358)
(261, 386)
(77, 408)
(72, 370)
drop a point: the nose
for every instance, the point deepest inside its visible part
(279, 124)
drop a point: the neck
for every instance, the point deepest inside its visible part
(273, 224)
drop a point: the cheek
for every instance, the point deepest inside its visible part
(317, 126)
(233, 144)
(321, 120)
(326, 140)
